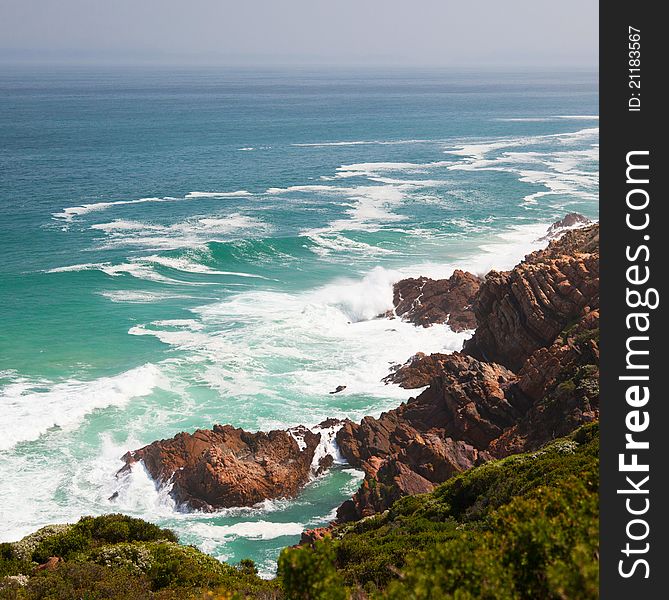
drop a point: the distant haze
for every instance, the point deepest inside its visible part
(430, 33)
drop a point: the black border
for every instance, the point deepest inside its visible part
(622, 131)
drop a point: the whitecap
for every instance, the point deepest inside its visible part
(31, 408)
(252, 530)
(363, 143)
(68, 214)
(235, 194)
(195, 232)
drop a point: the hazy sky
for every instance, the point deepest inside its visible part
(456, 33)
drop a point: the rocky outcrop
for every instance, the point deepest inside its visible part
(226, 466)
(424, 301)
(310, 536)
(540, 323)
(427, 440)
(525, 309)
(569, 221)
(418, 371)
(563, 383)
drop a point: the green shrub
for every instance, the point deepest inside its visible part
(115, 528)
(185, 566)
(310, 573)
(86, 581)
(247, 566)
(10, 564)
(64, 545)
(25, 548)
(132, 556)
(90, 532)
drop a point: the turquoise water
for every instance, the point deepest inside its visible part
(182, 248)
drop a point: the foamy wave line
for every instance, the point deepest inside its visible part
(69, 213)
(28, 412)
(363, 143)
(134, 269)
(548, 119)
(195, 232)
(143, 297)
(189, 266)
(237, 194)
(578, 117)
(142, 268)
(479, 149)
(252, 530)
(333, 244)
(561, 172)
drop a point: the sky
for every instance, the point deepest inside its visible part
(429, 33)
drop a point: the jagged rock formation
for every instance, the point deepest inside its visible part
(418, 371)
(569, 221)
(443, 431)
(525, 309)
(225, 466)
(540, 323)
(424, 301)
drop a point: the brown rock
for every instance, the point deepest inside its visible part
(529, 374)
(569, 221)
(424, 301)
(227, 467)
(430, 438)
(418, 371)
(310, 536)
(563, 381)
(540, 319)
(51, 564)
(523, 310)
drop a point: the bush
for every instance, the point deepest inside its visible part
(64, 545)
(310, 574)
(117, 528)
(91, 532)
(86, 581)
(10, 564)
(247, 566)
(25, 548)
(184, 566)
(134, 557)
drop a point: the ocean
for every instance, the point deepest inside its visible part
(185, 247)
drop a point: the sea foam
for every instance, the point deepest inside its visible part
(31, 408)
